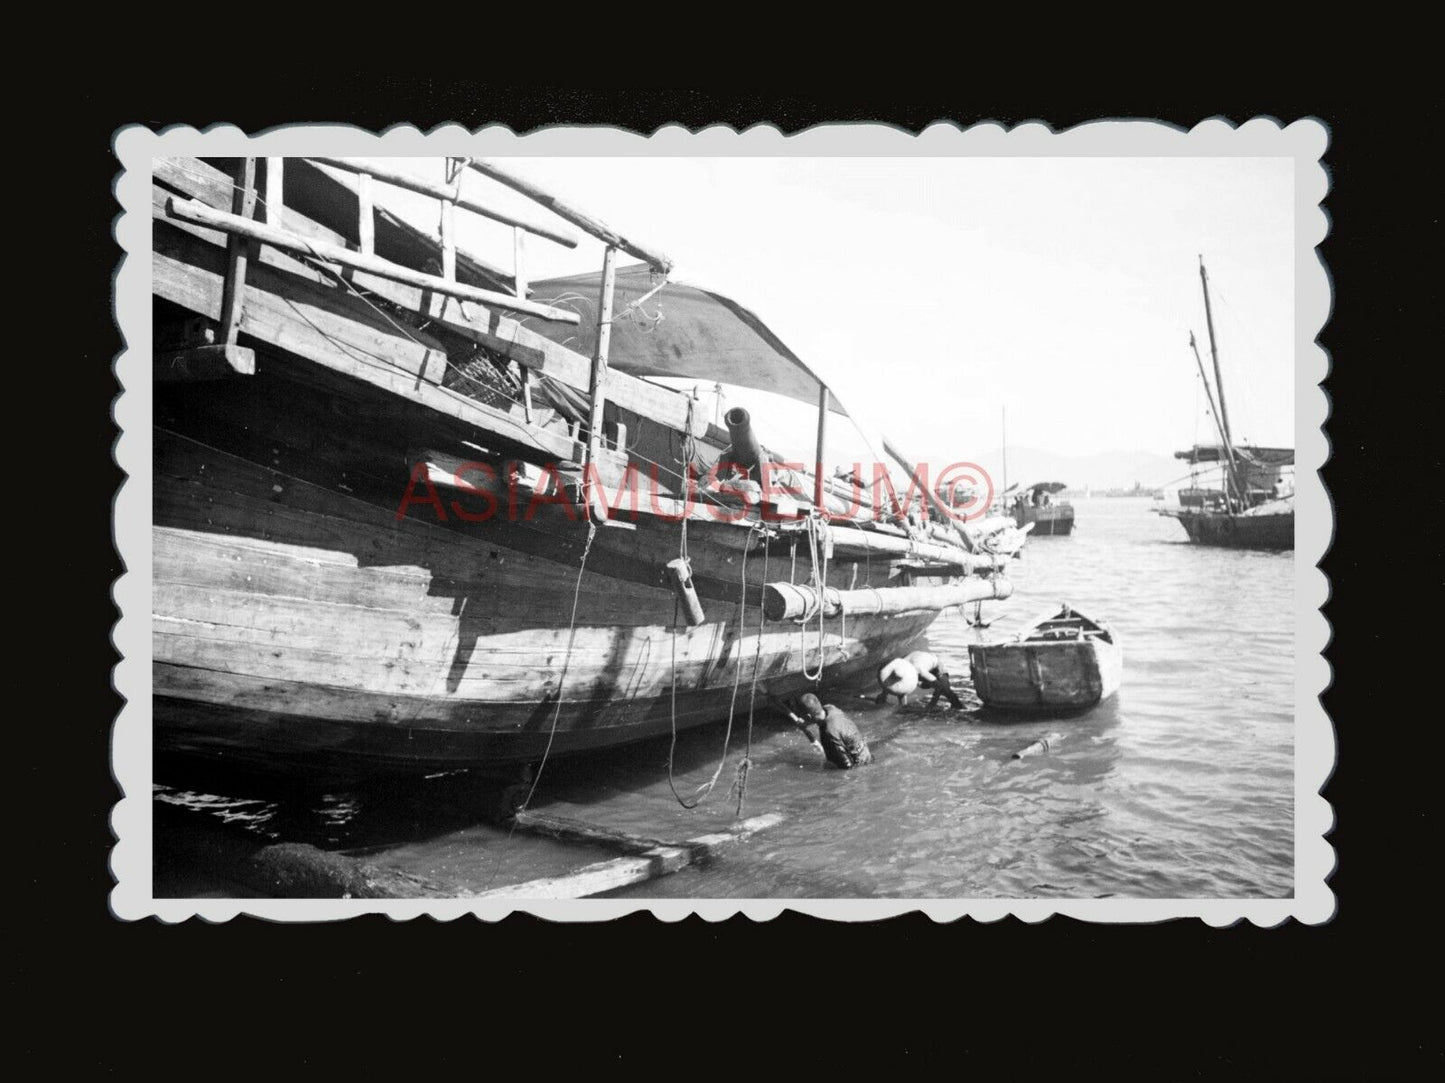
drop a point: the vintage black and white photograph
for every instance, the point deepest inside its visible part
(853, 521)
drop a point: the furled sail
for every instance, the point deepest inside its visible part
(1260, 456)
(702, 335)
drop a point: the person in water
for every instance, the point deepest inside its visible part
(896, 678)
(931, 674)
(842, 741)
(943, 689)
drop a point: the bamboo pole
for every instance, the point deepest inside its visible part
(275, 198)
(449, 240)
(598, 388)
(582, 220)
(366, 220)
(191, 210)
(819, 481)
(449, 194)
(791, 601)
(519, 262)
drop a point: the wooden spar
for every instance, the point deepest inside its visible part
(570, 830)
(274, 206)
(366, 220)
(1214, 352)
(536, 354)
(1230, 479)
(622, 871)
(819, 480)
(1241, 492)
(447, 194)
(238, 250)
(191, 210)
(790, 601)
(593, 226)
(309, 319)
(944, 513)
(449, 240)
(519, 263)
(598, 388)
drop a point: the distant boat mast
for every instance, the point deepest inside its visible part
(1229, 478)
(1223, 413)
(1214, 353)
(1003, 440)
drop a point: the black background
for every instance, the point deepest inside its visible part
(1169, 1001)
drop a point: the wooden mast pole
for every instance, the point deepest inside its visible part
(1219, 382)
(1003, 438)
(1214, 353)
(818, 477)
(1213, 410)
(598, 385)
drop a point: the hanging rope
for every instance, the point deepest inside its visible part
(820, 580)
(566, 664)
(707, 787)
(740, 783)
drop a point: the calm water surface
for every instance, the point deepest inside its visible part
(1182, 786)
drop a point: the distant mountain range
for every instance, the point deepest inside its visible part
(1102, 470)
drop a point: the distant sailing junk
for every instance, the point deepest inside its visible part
(382, 477)
(1038, 504)
(1253, 508)
(1035, 504)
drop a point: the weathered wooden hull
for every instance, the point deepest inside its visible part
(1238, 531)
(303, 623)
(298, 626)
(1067, 675)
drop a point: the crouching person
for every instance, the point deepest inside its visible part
(842, 741)
(931, 674)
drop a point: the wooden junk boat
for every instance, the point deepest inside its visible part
(1037, 504)
(382, 474)
(1061, 661)
(1253, 508)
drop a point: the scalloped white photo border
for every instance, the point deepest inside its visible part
(1304, 141)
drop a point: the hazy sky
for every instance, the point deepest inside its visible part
(931, 292)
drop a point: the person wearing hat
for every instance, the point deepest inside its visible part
(842, 741)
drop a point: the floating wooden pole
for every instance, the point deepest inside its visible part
(1040, 747)
(594, 226)
(192, 210)
(569, 830)
(791, 601)
(446, 193)
(620, 872)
